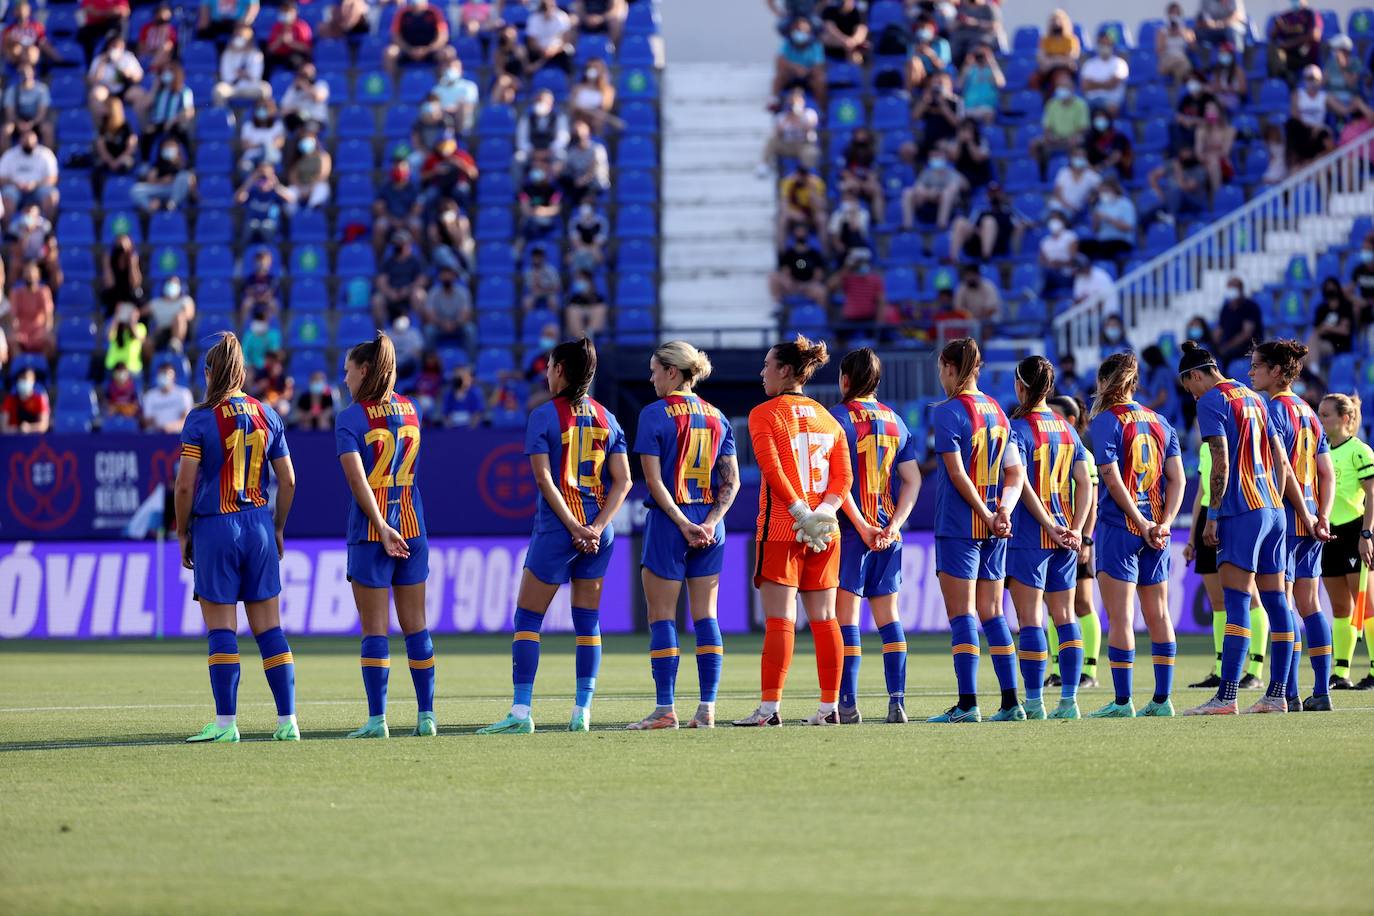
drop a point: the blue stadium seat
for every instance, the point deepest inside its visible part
(355, 190)
(495, 153)
(639, 118)
(533, 324)
(496, 121)
(636, 255)
(891, 113)
(214, 125)
(167, 229)
(398, 121)
(214, 227)
(637, 83)
(73, 366)
(215, 158)
(1026, 39)
(356, 121)
(354, 155)
(214, 294)
(635, 51)
(1273, 97)
(492, 363)
(209, 323)
(643, 19)
(1298, 275)
(809, 318)
(216, 191)
(636, 327)
(636, 153)
(495, 257)
(309, 226)
(373, 89)
(309, 294)
(75, 187)
(636, 222)
(169, 261)
(1228, 197)
(635, 290)
(354, 327)
(1022, 175)
(215, 262)
(495, 188)
(900, 284)
(1159, 238)
(305, 363)
(355, 260)
(495, 292)
(494, 223)
(74, 228)
(76, 397)
(1152, 98)
(306, 331)
(309, 261)
(496, 328)
(552, 79)
(590, 47)
(1360, 25)
(415, 85)
(1342, 375)
(355, 293)
(121, 222)
(1329, 265)
(452, 358)
(470, 52)
(74, 127)
(1290, 309)
(635, 188)
(940, 278)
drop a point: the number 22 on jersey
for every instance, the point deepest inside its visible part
(382, 475)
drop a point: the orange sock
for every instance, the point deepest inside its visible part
(829, 657)
(780, 634)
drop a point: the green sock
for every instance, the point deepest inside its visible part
(1259, 641)
(1052, 632)
(1343, 637)
(1092, 642)
(1369, 641)
(1218, 633)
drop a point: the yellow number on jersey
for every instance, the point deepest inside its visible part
(584, 445)
(1145, 464)
(878, 453)
(255, 443)
(697, 465)
(381, 475)
(1305, 457)
(1054, 475)
(985, 442)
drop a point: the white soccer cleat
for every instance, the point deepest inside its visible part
(1268, 705)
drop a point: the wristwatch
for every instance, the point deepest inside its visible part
(1087, 541)
(1367, 534)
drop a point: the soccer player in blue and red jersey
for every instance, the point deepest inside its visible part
(1245, 521)
(977, 484)
(871, 529)
(1274, 365)
(1142, 483)
(232, 539)
(377, 439)
(1046, 534)
(687, 450)
(577, 452)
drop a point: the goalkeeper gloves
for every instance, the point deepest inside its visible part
(816, 528)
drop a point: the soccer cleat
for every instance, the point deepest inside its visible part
(1250, 682)
(1114, 710)
(658, 719)
(1268, 705)
(955, 716)
(1035, 708)
(1085, 680)
(212, 732)
(1155, 710)
(424, 726)
(1067, 709)
(1340, 683)
(509, 726)
(896, 712)
(1015, 713)
(287, 731)
(823, 718)
(580, 722)
(1295, 704)
(850, 715)
(1053, 680)
(1216, 706)
(1366, 683)
(374, 727)
(759, 719)
(1317, 704)
(705, 717)
(1210, 682)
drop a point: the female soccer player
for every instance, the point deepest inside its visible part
(1244, 523)
(1311, 490)
(871, 529)
(377, 439)
(806, 474)
(572, 538)
(1352, 530)
(1141, 470)
(1046, 534)
(231, 539)
(977, 484)
(688, 445)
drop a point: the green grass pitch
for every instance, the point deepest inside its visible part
(103, 810)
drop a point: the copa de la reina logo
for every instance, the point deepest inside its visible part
(505, 482)
(43, 487)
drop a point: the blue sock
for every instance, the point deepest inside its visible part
(1162, 654)
(849, 673)
(963, 639)
(1236, 643)
(710, 657)
(1003, 652)
(1123, 666)
(280, 668)
(894, 658)
(1319, 651)
(524, 654)
(664, 657)
(224, 671)
(1070, 658)
(420, 654)
(1296, 663)
(376, 659)
(587, 624)
(1281, 636)
(1035, 658)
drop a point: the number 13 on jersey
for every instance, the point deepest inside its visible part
(812, 451)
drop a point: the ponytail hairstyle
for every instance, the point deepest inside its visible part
(1037, 375)
(224, 370)
(864, 370)
(963, 354)
(803, 355)
(1195, 356)
(378, 355)
(1117, 381)
(1282, 356)
(578, 359)
(1347, 407)
(694, 365)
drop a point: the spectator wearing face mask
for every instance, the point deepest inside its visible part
(1113, 336)
(1103, 76)
(1095, 287)
(121, 274)
(1074, 186)
(859, 174)
(1113, 225)
(1239, 325)
(115, 74)
(1333, 326)
(587, 233)
(171, 314)
(419, 34)
(26, 409)
(27, 104)
(32, 313)
(543, 285)
(219, 19)
(542, 128)
(939, 111)
(398, 207)
(166, 404)
(795, 135)
(33, 242)
(457, 95)
(844, 33)
(1064, 122)
(801, 62)
(1226, 80)
(291, 43)
(930, 54)
(261, 198)
(1109, 150)
(306, 100)
(549, 35)
(1295, 40)
(1213, 142)
(861, 289)
(1058, 249)
(271, 385)
(261, 292)
(401, 283)
(28, 175)
(464, 406)
(977, 296)
(241, 70)
(409, 341)
(168, 183)
(262, 336)
(991, 234)
(314, 408)
(262, 138)
(801, 200)
(309, 175)
(172, 110)
(1181, 186)
(586, 313)
(801, 270)
(450, 240)
(849, 228)
(541, 206)
(1222, 22)
(120, 394)
(1362, 281)
(1188, 115)
(429, 129)
(1058, 51)
(1307, 133)
(936, 192)
(587, 166)
(447, 313)
(1174, 45)
(981, 82)
(592, 98)
(158, 39)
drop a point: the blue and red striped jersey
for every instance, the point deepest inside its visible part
(687, 435)
(878, 442)
(1050, 447)
(1240, 416)
(1138, 441)
(577, 437)
(386, 436)
(1296, 424)
(973, 425)
(234, 441)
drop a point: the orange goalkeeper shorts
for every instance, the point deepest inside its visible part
(796, 565)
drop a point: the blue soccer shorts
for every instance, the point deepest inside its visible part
(553, 559)
(370, 566)
(1053, 569)
(967, 558)
(1126, 557)
(666, 553)
(1254, 541)
(235, 557)
(869, 573)
(1304, 558)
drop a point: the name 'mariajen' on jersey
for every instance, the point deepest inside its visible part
(1297, 426)
(1240, 415)
(1139, 442)
(802, 455)
(878, 441)
(386, 436)
(1049, 448)
(577, 436)
(972, 425)
(688, 435)
(234, 441)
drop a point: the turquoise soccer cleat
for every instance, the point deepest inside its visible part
(287, 731)
(213, 733)
(1035, 708)
(1155, 710)
(1067, 709)
(509, 726)
(1016, 713)
(956, 716)
(581, 722)
(1114, 710)
(424, 726)
(374, 727)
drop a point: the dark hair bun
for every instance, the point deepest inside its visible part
(1189, 345)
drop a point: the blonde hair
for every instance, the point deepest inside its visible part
(1117, 381)
(1348, 409)
(224, 370)
(379, 356)
(694, 365)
